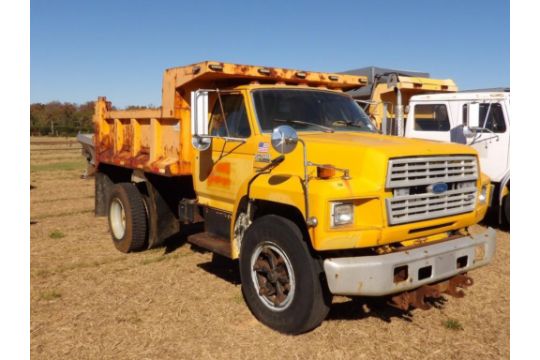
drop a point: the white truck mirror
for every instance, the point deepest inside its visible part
(199, 120)
(473, 115)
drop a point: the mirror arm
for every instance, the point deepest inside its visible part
(273, 163)
(226, 138)
(478, 134)
(311, 222)
(496, 137)
(222, 112)
(265, 170)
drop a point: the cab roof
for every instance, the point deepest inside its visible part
(463, 96)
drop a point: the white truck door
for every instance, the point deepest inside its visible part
(429, 121)
(492, 140)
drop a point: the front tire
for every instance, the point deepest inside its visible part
(127, 218)
(280, 278)
(506, 210)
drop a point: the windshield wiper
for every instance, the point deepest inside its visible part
(352, 124)
(300, 122)
(346, 123)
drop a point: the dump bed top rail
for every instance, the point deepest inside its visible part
(234, 74)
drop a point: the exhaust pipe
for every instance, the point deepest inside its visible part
(399, 113)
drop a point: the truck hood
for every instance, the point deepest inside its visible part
(366, 155)
(392, 146)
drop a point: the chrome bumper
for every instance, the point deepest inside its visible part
(374, 275)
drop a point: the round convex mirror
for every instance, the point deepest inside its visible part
(284, 139)
(468, 132)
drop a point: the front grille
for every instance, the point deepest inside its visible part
(405, 172)
(410, 180)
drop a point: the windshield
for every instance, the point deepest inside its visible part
(309, 110)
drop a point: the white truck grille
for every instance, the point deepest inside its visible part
(411, 180)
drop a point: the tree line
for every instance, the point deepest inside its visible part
(63, 118)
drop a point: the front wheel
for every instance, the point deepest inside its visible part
(280, 278)
(506, 210)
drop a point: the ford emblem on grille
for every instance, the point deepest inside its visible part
(438, 188)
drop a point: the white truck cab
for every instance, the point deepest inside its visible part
(480, 119)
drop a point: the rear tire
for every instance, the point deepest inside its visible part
(127, 218)
(280, 279)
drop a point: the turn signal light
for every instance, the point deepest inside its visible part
(216, 67)
(325, 172)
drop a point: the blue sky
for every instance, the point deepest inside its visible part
(118, 48)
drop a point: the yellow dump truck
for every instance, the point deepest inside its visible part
(387, 93)
(289, 176)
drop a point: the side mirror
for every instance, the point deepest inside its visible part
(473, 115)
(199, 120)
(284, 139)
(468, 132)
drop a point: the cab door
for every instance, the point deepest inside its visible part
(430, 121)
(228, 162)
(492, 140)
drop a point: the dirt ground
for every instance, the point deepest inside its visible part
(89, 301)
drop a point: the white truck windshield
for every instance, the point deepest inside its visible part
(309, 110)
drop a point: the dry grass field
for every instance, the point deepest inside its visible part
(88, 301)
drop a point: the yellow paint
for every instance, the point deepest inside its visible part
(161, 143)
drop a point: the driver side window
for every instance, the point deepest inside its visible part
(491, 117)
(431, 117)
(235, 123)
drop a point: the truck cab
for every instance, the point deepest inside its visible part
(289, 176)
(388, 91)
(480, 119)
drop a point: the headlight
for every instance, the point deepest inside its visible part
(342, 213)
(483, 195)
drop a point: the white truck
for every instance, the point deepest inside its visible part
(479, 118)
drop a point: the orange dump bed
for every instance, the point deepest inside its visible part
(159, 141)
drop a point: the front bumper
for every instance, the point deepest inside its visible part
(374, 275)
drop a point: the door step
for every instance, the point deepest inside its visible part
(212, 242)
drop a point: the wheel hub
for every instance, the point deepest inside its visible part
(118, 219)
(273, 276)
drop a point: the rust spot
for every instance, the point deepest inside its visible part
(401, 273)
(416, 298)
(273, 72)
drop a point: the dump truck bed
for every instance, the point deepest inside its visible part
(159, 140)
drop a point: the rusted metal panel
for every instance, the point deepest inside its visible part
(130, 114)
(417, 298)
(214, 243)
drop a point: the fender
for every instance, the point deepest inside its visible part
(284, 189)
